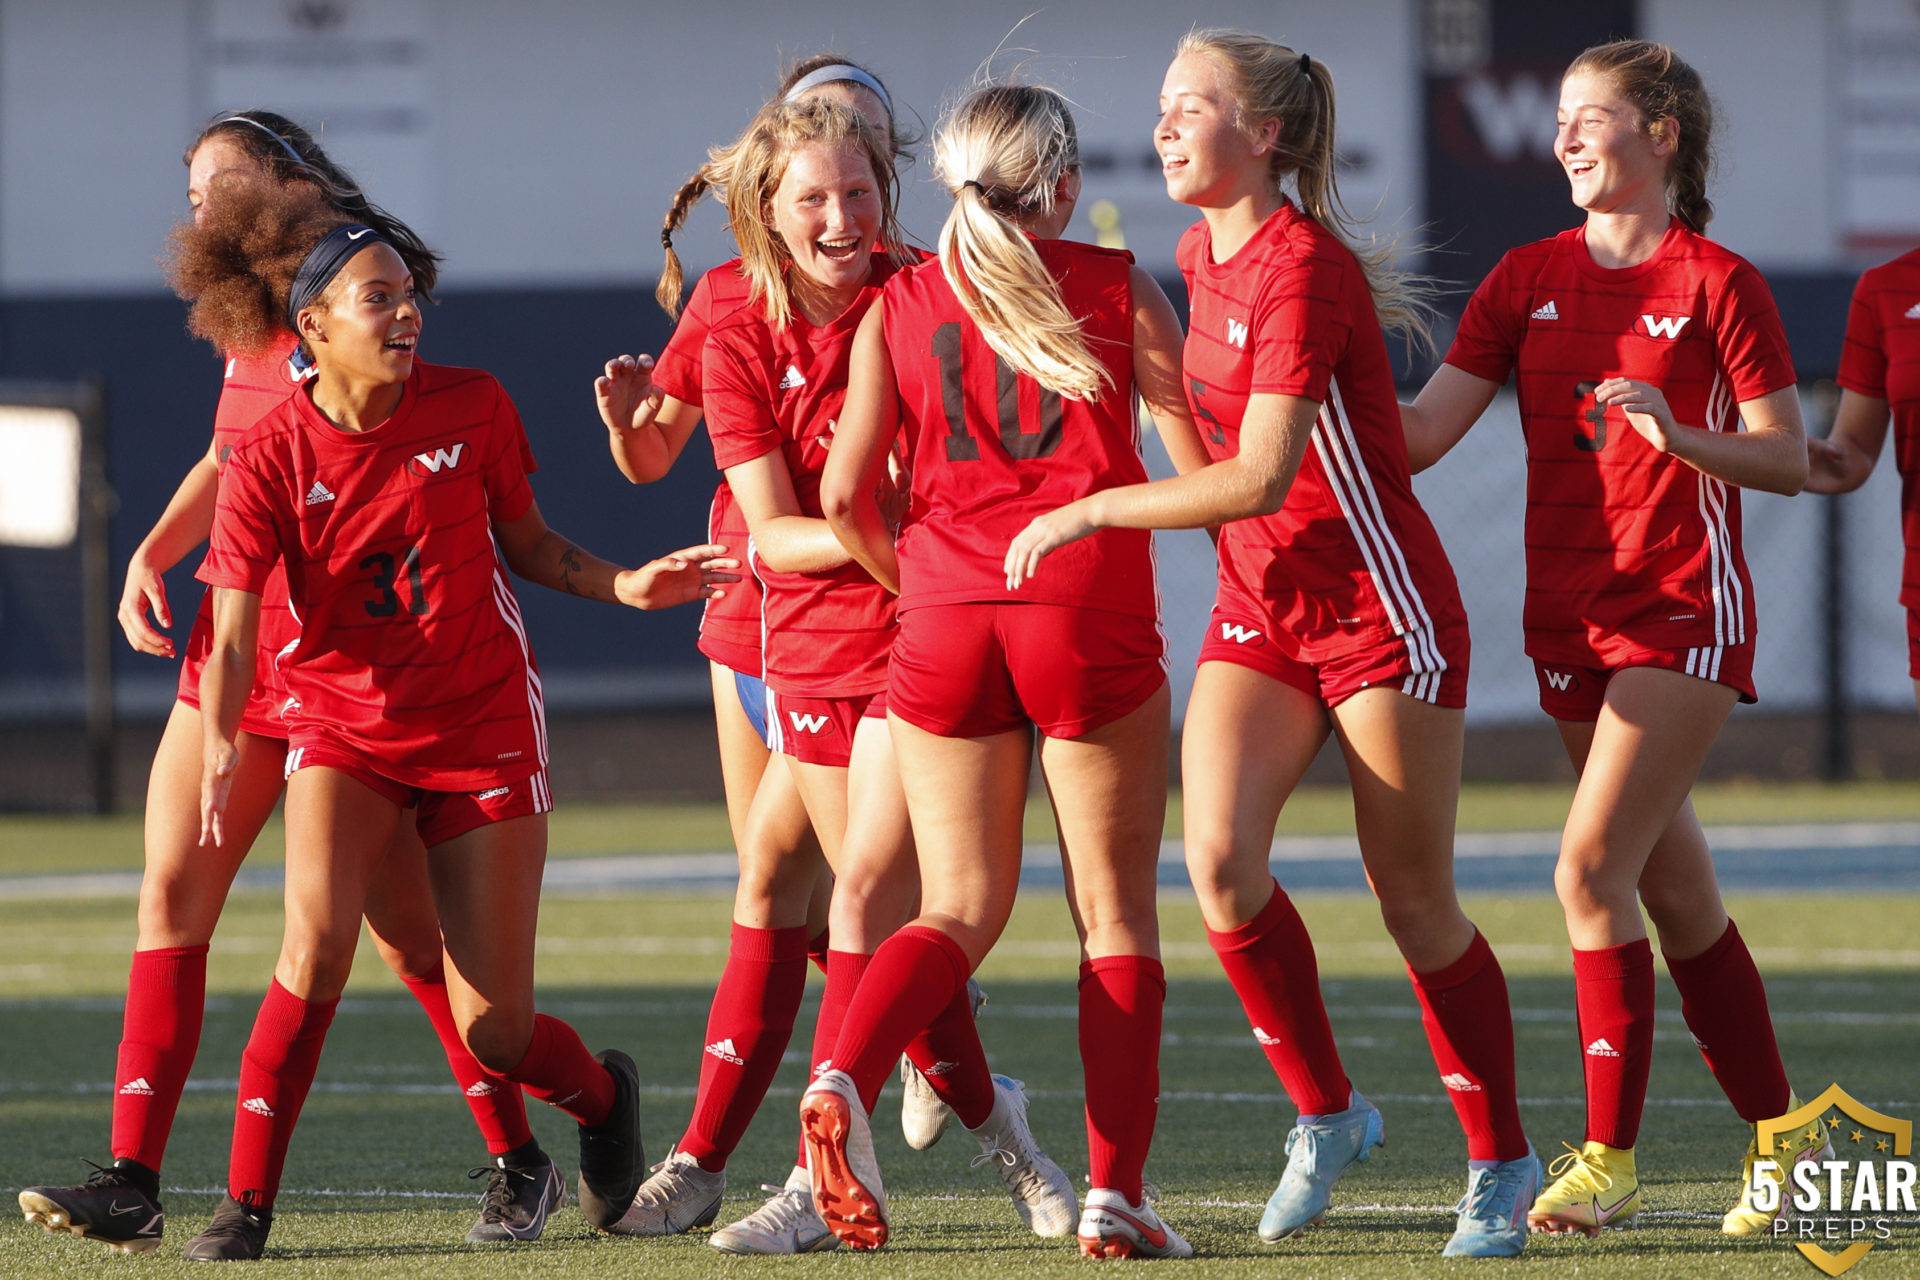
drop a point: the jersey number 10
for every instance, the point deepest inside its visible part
(1015, 437)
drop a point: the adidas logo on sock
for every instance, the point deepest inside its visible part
(1547, 312)
(1459, 1083)
(139, 1086)
(1259, 1033)
(259, 1107)
(1601, 1049)
(724, 1050)
(792, 378)
(318, 494)
(939, 1069)
(481, 1089)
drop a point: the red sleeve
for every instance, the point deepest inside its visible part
(509, 462)
(1863, 357)
(1749, 341)
(245, 543)
(1296, 331)
(676, 370)
(1488, 340)
(739, 405)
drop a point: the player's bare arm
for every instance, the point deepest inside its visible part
(1443, 412)
(1770, 454)
(225, 683)
(784, 537)
(1842, 461)
(646, 427)
(183, 526)
(857, 465)
(541, 555)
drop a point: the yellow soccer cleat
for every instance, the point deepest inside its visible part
(1808, 1143)
(1593, 1187)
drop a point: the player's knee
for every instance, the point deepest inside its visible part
(775, 880)
(498, 1039)
(316, 968)
(1584, 884)
(1218, 873)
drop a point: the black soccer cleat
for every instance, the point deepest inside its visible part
(612, 1163)
(238, 1233)
(518, 1199)
(118, 1206)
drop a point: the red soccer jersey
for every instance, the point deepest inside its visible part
(1351, 557)
(1882, 359)
(992, 449)
(411, 648)
(1627, 548)
(826, 634)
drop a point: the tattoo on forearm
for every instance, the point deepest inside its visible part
(570, 564)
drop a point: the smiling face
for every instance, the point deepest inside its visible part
(366, 325)
(1614, 161)
(217, 155)
(1207, 159)
(827, 211)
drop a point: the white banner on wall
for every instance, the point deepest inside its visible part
(1875, 118)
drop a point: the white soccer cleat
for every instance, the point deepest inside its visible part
(786, 1224)
(1042, 1194)
(677, 1196)
(846, 1177)
(1112, 1228)
(923, 1117)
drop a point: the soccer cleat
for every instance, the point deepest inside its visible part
(1317, 1154)
(518, 1199)
(845, 1176)
(611, 1158)
(111, 1206)
(1042, 1194)
(1593, 1187)
(923, 1117)
(786, 1224)
(1493, 1213)
(1112, 1228)
(677, 1198)
(238, 1233)
(1810, 1143)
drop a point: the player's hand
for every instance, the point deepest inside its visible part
(1826, 465)
(1645, 406)
(216, 783)
(1046, 534)
(626, 394)
(692, 573)
(145, 589)
(896, 491)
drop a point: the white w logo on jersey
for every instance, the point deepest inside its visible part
(1238, 633)
(1664, 326)
(447, 456)
(805, 723)
(1237, 333)
(1561, 680)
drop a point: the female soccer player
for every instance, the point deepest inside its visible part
(1880, 379)
(185, 886)
(1010, 364)
(1337, 613)
(1654, 384)
(810, 203)
(393, 492)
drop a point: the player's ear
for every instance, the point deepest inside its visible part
(307, 325)
(1267, 138)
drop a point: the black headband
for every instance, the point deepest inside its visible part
(323, 263)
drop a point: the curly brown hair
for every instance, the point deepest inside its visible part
(237, 263)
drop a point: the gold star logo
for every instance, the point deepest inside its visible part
(1880, 1145)
(1857, 1135)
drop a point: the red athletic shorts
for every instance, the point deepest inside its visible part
(973, 670)
(1429, 666)
(819, 730)
(1576, 692)
(1913, 643)
(442, 814)
(261, 716)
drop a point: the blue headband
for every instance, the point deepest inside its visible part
(323, 263)
(839, 73)
(284, 144)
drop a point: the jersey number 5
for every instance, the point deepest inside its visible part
(1597, 416)
(1015, 438)
(388, 602)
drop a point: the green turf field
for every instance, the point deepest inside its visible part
(376, 1180)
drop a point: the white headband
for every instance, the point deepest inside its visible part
(839, 72)
(284, 144)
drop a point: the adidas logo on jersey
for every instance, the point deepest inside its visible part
(491, 793)
(1237, 333)
(1913, 312)
(481, 1089)
(318, 494)
(1601, 1049)
(792, 378)
(259, 1107)
(1459, 1083)
(138, 1086)
(724, 1050)
(1668, 327)
(1547, 312)
(1260, 1034)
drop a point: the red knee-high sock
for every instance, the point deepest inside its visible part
(558, 1070)
(817, 949)
(916, 970)
(1121, 1001)
(276, 1073)
(1270, 962)
(498, 1109)
(1470, 1029)
(949, 1054)
(1613, 988)
(1725, 1005)
(747, 1030)
(166, 1002)
(844, 970)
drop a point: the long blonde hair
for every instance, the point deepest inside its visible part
(1661, 86)
(1002, 151)
(1272, 82)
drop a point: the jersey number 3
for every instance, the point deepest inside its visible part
(1597, 416)
(1015, 438)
